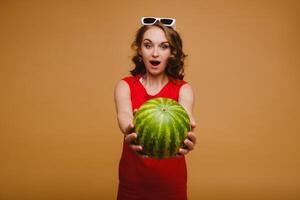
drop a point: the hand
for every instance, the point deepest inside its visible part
(130, 136)
(190, 142)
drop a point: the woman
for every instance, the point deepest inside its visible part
(158, 72)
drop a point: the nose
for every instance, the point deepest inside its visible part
(155, 52)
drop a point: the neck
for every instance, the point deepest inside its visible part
(152, 80)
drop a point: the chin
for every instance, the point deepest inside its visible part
(155, 71)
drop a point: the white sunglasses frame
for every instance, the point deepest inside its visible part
(158, 19)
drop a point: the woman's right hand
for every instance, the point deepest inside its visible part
(130, 136)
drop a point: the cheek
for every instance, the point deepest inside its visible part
(166, 57)
(144, 53)
(167, 53)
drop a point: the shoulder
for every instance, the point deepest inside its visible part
(130, 80)
(186, 90)
(121, 87)
(126, 82)
(186, 99)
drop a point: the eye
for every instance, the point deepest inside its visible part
(147, 45)
(165, 46)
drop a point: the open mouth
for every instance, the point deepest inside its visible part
(154, 62)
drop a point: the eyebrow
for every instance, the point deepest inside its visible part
(151, 41)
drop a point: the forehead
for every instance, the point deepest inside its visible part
(155, 34)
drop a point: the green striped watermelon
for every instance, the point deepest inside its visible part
(162, 125)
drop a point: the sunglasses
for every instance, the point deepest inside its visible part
(153, 20)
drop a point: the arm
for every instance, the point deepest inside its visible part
(123, 106)
(125, 114)
(186, 99)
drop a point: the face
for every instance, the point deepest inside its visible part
(155, 51)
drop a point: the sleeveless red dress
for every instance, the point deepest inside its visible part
(148, 178)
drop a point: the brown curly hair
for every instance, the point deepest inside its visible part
(175, 64)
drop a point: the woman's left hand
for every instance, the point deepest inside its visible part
(190, 142)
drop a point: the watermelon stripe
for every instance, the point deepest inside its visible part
(183, 116)
(146, 124)
(148, 146)
(171, 138)
(174, 142)
(181, 128)
(168, 136)
(141, 113)
(161, 140)
(181, 111)
(160, 101)
(155, 138)
(141, 119)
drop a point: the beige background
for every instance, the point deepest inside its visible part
(60, 61)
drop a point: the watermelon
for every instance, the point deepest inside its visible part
(162, 125)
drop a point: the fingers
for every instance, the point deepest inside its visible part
(189, 144)
(136, 148)
(182, 152)
(129, 139)
(130, 128)
(192, 137)
(193, 125)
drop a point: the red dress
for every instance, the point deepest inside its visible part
(148, 178)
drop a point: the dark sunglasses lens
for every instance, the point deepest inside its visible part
(149, 20)
(166, 21)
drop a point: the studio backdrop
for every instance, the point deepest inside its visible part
(60, 62)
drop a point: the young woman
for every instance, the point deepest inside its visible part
(158, 72)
